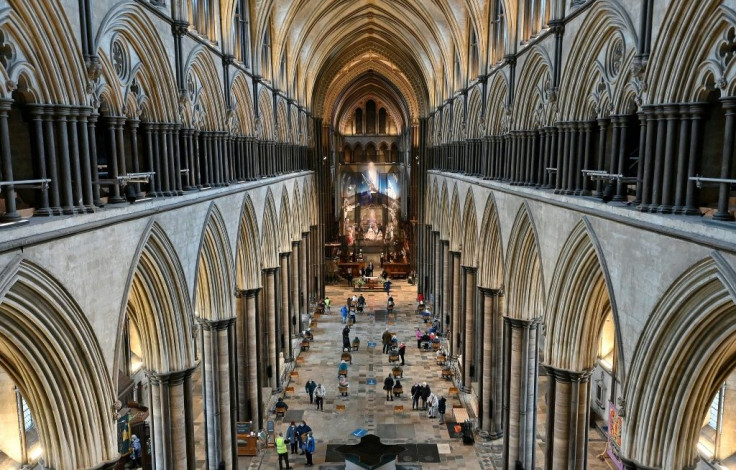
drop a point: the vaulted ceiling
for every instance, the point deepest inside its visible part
(340, 53)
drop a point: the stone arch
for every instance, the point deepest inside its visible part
(269, 234)
(207, 100)
(490, 257)
(453, 226)
(248, 251)
(596, 75)
(681, 58)
(213, 295)
(525, 281)
(152, 69)
(300, 220)
(469, 231)
(432, 205)
(496, 106)
(687, 349)
(286, 222)
(443, 214)
(266, 116)
(50, 352)
(581, 297)
(532, 98)
(156, 301)
(51, 63)
(283, 123)
(243, 103)
(475, 122)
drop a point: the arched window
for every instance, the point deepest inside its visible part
(383, 153)
(499, 32)
(358, 121)
(370, 117)
(474, 54)
(266, 54)
(370, 152)
(382, 121)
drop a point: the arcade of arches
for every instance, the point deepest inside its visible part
(181, 178)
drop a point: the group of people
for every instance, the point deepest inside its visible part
(316, 393)
(422, 398)
(298, 437)
(393, 387)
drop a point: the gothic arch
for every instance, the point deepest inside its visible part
(524, 285)
(283, 127)
(299, 222)
(203, 83)
(453, 228)
(681, 59)
(469, 231)
(156, 301)
(248, 251)
(269, 234)
(579, 302)
(490, 257)
(50, 352)
(43, 59)
(444, 214)
(475, 122)
(265, 115)
(432, 204)
(686, 351)
(243, 103)
(496, 106)
(596, 78)
(213, 295)
(286, 222)
(532, 97)
(149, 63)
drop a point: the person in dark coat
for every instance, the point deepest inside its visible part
(425, 393)
(415, 396)
(402, 351)
(301, 430)
(310, 387)
(388, 385)
(386, 338)
(441, 408)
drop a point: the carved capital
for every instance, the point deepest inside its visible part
(228, 59)
(179, 28)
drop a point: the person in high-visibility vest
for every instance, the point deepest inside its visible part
(282, 450)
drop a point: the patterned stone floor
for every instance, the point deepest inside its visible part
(366, 406)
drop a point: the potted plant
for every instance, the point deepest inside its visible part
(359, 283)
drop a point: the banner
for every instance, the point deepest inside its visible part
(124, 434)
(615, 422)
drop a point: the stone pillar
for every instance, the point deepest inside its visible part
(172, 420)
(696, 114)
(11, 213)
(75, 164)
(437, 280)
(248, 358)
(567, 419)
(444, 269)
(491, 409)
(648, 161)
(39, 155)
(456, 344)
(729, 136)
(270, 314)
(285, 311)
(296, 318)
(303, 289)
(65, 181)
(163, 160)
(672, 116)
(470, 326)
(92, 137)
(216, 377)
(521, 346)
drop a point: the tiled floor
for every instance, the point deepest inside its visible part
(366, 406)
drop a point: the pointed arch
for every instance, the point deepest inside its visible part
(685, 353)
(269, 234)
(266, 116)
(50, 352)
(208, 100)
(490, 257)
(286, 223)
(157, 302)
(531, 99)
(300, 217)
(580, 300)
(213, 295)
(496, 106)
(469, 231)
(243, 103)
(283, 120)
(444, 214)
(248, 251)
(454, 228)
(475, 122)
(524, 283)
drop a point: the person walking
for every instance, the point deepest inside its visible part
(419, 338)
(415, 396)
(282, 451)
(425, 393)
(328, 302)
(432, 406)
(291, 436)
(310, 387)
(388, 385)
(344, 313)
(387, 286)
(441, 408)
(386, 338)
(137, 453)
(402, 351)
(310, 448)
(320, 392)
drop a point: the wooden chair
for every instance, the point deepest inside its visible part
(398, 371)
(342, 373)
(343, 389)
(393, 356)
(280, 411)
(447, 374)
(398, 391)
(441, 360)
(356, 344)
(435, 346)
(305, 345)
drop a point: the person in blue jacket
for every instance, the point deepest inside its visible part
(310, 448)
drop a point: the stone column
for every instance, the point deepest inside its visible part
(648, 161)
(163, 160)
(492, 377)
(455, 309)
(65, 181)
(696, 114)
(585, 182)
(285, 311)
(133, 125)
(11, 213)
(75, 165)
(521, 346)
(296, 318)
(470, 326)
(39, 163)
(672, 116)
(443, 269)
(92, 135)
(567, 419)
(270, 313)
(659, 159)
(216, 377)
(304, 290)
(172, 420)
(562, 147)
(724, 189)
(248, 357)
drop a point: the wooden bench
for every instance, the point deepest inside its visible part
(280, 411)
(398, 371)
(453, 391)
(343, 389)
(289, 390)
(294, 373)
(393, 357)
(305, 345)
(447, 374)
(398, 408)
(441, 360)
(340, 408)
